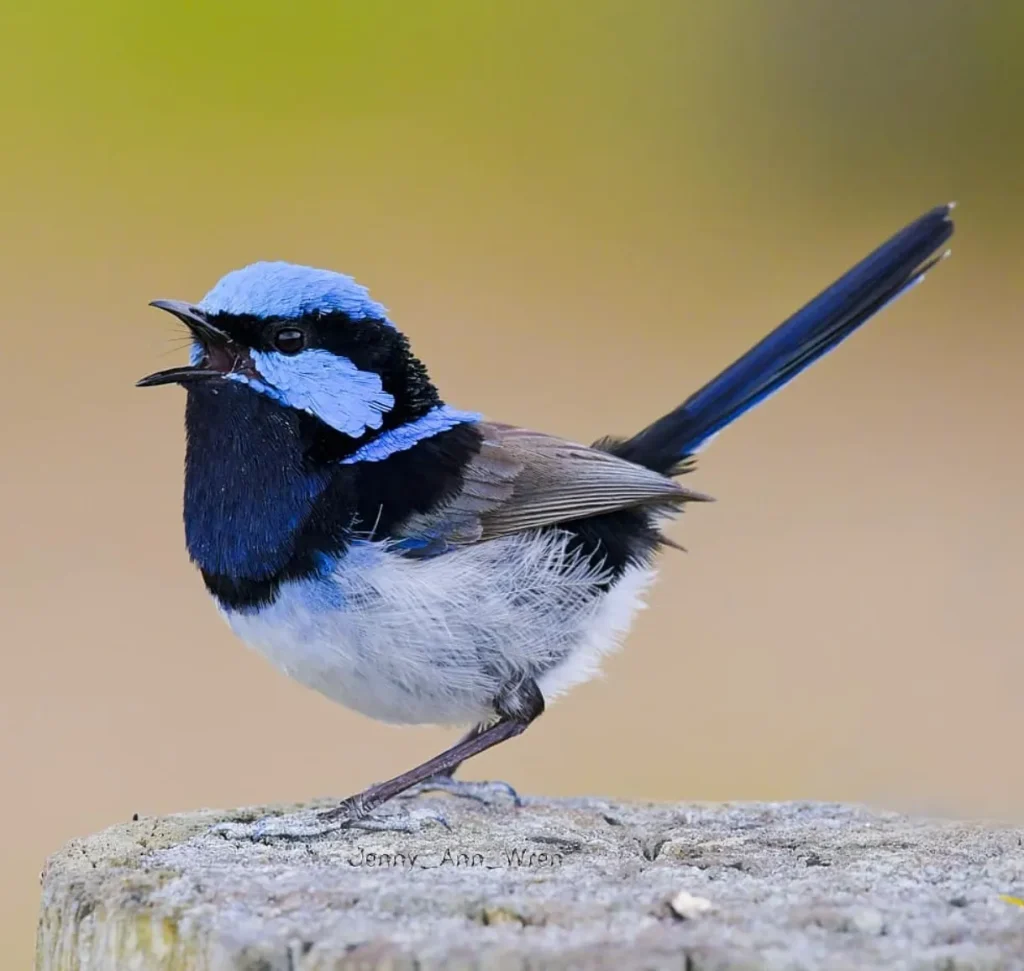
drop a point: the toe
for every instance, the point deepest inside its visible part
(485, 793)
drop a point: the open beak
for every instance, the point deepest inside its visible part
(204, 332)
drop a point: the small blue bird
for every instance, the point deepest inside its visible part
(419, 563)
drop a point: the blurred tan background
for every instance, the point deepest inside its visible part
(579, 212)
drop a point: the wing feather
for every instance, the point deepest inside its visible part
(524, 480)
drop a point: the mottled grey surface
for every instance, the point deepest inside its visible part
(552, 884)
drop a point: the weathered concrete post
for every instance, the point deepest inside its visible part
(550, 884)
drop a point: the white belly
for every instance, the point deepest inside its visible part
(435, 640)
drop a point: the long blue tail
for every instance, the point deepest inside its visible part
(794, 345)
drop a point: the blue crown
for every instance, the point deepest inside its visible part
(279, 289)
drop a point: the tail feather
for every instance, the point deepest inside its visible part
(798, 342)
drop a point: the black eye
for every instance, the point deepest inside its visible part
(289, 340)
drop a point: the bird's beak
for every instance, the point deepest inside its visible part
(203, 330)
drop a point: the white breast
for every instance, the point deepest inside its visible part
(435, 640)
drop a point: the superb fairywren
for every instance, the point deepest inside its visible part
(419, 563)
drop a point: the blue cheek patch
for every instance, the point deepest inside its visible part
(405, 436)
(329, 387)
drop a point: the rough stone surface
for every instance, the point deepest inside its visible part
(549, 884)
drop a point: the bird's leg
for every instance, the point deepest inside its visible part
(488, 792)
(450, 772)
(363, 803)
(516, 709)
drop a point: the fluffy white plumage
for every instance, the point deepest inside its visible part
(436, 640)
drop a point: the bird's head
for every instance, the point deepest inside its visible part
(310, 340)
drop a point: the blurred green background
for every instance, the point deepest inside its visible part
(578, 211)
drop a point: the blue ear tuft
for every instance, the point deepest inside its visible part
(279, 289)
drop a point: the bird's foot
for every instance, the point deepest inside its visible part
(311, 825)
(357, 812)
(486, 793)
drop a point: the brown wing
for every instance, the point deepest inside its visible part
(522, 480)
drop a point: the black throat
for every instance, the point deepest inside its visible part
(267, 498)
